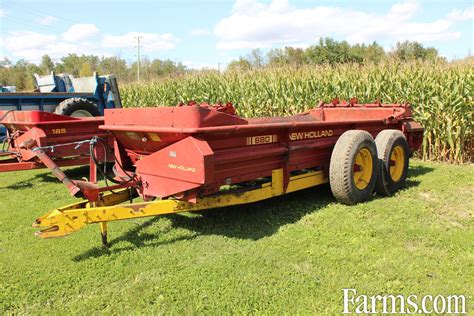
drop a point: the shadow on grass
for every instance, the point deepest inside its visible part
(416, 171)
(135, 236)
(19, 185)
(252, 221)
(73, 173)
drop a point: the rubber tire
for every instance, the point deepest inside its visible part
(69, 106)
(386, 140)
(341, 167)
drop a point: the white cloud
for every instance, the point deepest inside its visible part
(46, 20)
(20, 41)
(78, 32)
(254, 24)
(2, 13)
(151, 42)
(32, 45)
(403, 11)
(200, 32)
(301, 45)
(80, 39)
(462, 15)
(194, 65)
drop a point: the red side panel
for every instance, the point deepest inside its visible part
(175, 117)
(34, 136)
(196, 149)
(182, 166)
(58, 135)
(414, 134)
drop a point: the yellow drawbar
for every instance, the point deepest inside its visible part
(66, 220)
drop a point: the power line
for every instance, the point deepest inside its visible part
(138, 37)
(28, 23)
(42, 13)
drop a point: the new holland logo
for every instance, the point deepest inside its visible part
(311, 134)
(182, 168)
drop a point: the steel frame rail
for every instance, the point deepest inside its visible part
(66, 220)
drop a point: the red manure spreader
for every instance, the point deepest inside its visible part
(200, 156)
(38, 139)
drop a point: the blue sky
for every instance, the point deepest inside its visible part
(206, 33)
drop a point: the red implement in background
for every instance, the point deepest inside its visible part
(39, 139)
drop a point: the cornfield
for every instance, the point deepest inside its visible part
(441, 94)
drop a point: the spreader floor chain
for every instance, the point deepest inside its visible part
(66, 220)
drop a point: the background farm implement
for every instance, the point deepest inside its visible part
(44, 140)
(65, 95)
(194, 157)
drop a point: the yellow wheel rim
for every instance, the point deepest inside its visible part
(362, 168)
(397, 163)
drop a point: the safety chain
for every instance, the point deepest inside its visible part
(78, 145)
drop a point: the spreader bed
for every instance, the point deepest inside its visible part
(194, 157)
(63, 139)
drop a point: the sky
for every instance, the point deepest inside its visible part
(212, 33)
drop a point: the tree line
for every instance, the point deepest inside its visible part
(20, 74)
(326, 51)
(330, 51)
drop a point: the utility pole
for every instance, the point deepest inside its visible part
(138, 37)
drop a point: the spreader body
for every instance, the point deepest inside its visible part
(62, 138)
(196, 157)
(193, 151)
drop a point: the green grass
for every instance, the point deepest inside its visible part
(291, 254)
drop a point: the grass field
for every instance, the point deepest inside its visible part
(291, 254)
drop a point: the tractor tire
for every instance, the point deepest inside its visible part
(353, 167)
(77, 107)
(393, 156)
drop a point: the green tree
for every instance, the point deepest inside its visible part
(160, 68)
(240, 64)
(407, 50)
(86, 70)
(30, 79)
(71, 64)
(5, 62)
(59, 68)
(6, 72)
(276, 57)
(331, 51)
(256, 59)
(46, 65)
(374, 53)
(20, 74)
(295, 56)
(287, 56)
(113, 65)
